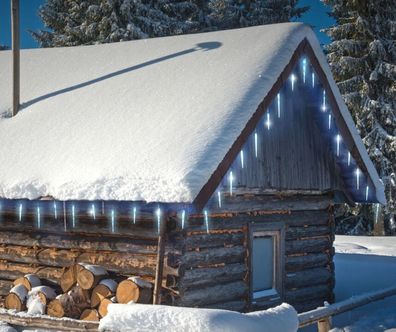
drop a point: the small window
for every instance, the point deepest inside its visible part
(266, 259)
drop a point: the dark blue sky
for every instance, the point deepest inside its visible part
(30, 21)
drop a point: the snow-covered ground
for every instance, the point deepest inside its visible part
(365, 264)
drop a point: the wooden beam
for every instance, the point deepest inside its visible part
(160, 262)
(323, 313)
(15, 56)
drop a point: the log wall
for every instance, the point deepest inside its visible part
(131, 249)
(215, 266)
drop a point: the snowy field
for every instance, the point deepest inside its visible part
(365, 264)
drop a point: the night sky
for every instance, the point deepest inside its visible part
(316, 17)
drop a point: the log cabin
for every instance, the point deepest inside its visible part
(209, 163)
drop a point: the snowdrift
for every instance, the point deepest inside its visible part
(142, 317)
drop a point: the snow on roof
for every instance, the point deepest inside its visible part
(141, 120)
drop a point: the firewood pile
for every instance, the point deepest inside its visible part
(84, 292)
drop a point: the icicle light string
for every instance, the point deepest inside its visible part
(134, 215)
(55, 211)
(206, 221)
(20, 212)
(338, 140)
(112, 221)
(38, 217)
(292, 79)
(158, 213)
(255, 144)
(183, 218)
(278, 102)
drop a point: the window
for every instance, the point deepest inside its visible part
(266, 262)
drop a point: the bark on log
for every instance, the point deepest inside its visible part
(69, 278)
(12, 271)
(29, 281)
(204, 241)
(90, 314)
(45, 293)
(293, 219)
(231, 305)
(5, 286)
(306, 261)
(17, 298)
(202, 297)
(105, 289)
(134, 289)
(209, 257)
(102, 309)
(63, 306)
(88, 276)
(81, 298)
(304, 232)
(307, 278)
(203, 277)
(75, 241)
(309, 245)
(308, 293)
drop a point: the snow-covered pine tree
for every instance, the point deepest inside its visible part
(83, 22)
(362, 56)
(228, 14)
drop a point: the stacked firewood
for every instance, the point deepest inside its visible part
(84, 292)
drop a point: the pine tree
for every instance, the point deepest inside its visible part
(228, 14)
(83, 22)
(362, 56)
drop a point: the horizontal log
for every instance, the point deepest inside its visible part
(203, 277)
(309, 277)
(204, 241)
(102, 227)
(210, 295)
(309, 305)
(124, 263)
(72, 241)
(309, 245)
(306, 261)
(240, 305)
(208, 257)
(232, 222)
(237, 203)
(47, 323)
(12, 271)
(308, 293)
(293, 233)
(5, 286)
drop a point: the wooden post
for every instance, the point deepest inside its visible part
(160, 262)
(15, 56)
(324, 325)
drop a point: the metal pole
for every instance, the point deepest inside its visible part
(15, 56)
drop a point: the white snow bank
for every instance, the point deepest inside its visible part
(141, 120)
(141, 317)
(4, 327)
(368, 245)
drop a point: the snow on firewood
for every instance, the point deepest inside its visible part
(4, 327)
(122, 317)
(141, 282)
(35, 305)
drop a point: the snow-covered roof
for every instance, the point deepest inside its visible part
(141, 120)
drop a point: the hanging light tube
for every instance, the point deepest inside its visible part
(292, 79)
(55, 211)
(279, 106)
(20, 212)
(112, 221)
(219, 198)
(231, 180)
(357, 178)
(256, 144)
(304, 69)
(338, 139)
(206, 221)
(183, 218)
(349, 158)
(242, 159)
